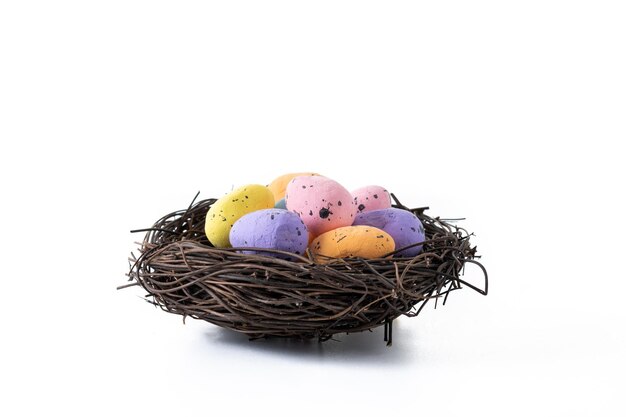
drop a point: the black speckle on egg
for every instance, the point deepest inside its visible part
(272, 217)
(310, 212)
(339, 203)
(380, 236)
(304, 186)
(375, 195)
(324, 213)
(413, 228)
(361, 207)
(297, 252)
(299, 233)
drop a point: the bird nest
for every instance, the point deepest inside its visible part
(265, 296)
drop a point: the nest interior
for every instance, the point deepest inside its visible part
(265, 296)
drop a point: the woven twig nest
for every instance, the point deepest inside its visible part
(266, 296)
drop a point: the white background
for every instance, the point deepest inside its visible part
(510, 114)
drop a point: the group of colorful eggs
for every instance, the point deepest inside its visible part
(306, 210)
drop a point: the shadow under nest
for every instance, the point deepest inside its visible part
(263, 296)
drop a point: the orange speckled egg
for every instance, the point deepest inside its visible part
(278, 187)
(352, 242)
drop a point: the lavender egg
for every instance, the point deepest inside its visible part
(403, 226)
(270, 229)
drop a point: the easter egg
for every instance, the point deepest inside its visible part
(281, 204)
(323, 204)
(279, 185)
(372, 197)
(227, 210)
(352, 241)
(270, 229)
(403, 226)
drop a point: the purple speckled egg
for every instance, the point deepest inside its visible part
(403, 226)
(323, 204)
(270, 229)
(372, 197)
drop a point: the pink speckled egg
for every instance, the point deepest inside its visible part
(372, 197)
(321, 203)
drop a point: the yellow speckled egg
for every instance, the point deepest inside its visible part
(227, 210)
(352, 242)
(278, 187)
